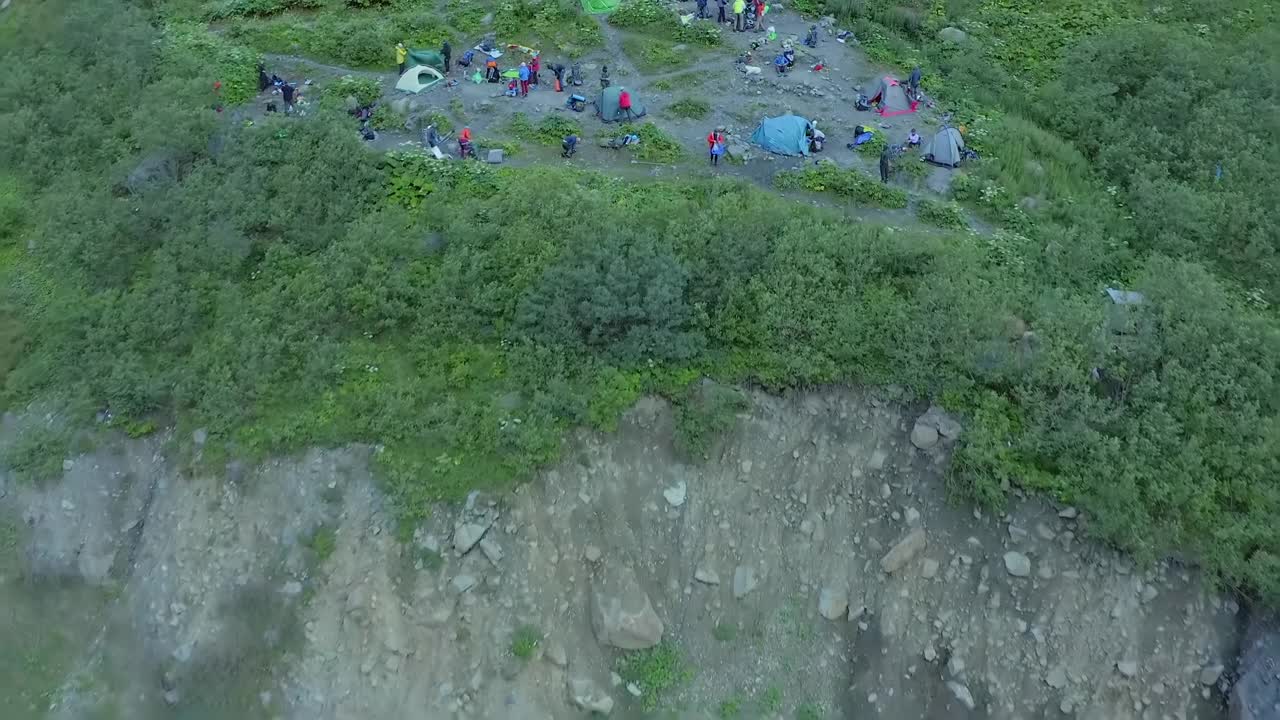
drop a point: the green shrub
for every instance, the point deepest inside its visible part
(706, 411)
(525, 641)
(259, 8)
(640, 14)
(36, 453)
(653, 55)
(655, 671)
(323, 541)
(551, 130)
(680, 81)
(366, 91)
(384, 118)
(943, 214)
(826, 176)
(192, 46)
(656, 145)
(690, 108)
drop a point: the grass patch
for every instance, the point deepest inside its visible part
(826, 176)
(947, 215)
(770, 701)
(705, 412)
(551, 130)
(681, 81)
(652, 55)
(323, 541)
(724, 632)
(690, 108)
(811, 711)
(656, 145)
(730, 709)
(35, 455)
(656, 671)
(366, 91)
(525, 641)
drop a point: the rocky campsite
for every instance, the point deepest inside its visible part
(463, 359)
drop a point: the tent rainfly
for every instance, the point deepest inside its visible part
(892, 99)
(783, 135)
(418, 78)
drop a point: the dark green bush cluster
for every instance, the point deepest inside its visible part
(656, 144)
(549, 131)
(653, 18)
(366, 91)
(259, 8)
(826, 176)
(943, 214)
(690, 108)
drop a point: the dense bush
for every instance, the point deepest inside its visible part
(691, 108)
(826, 176)
(259, 8)
(943, 214)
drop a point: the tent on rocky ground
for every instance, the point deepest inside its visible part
(946, 147)
(607, 105)
(783, 135)
(418, 78)
(892, 99)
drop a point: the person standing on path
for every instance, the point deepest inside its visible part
(885, 166)
(604, 76)
(716, 144)
(739, 7)
(722, 18)
(524, 79)
(534, 66)
(702, 9)
(759, 16)
(401, 55)
(446, 50)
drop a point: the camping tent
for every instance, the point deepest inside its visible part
(784, 135)
(945, 148)
(607, 105)
(418, 78)
(893, 99)
(429, 58)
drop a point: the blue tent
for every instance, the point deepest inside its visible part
(783, 135)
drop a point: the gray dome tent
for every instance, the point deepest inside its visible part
(946, 148)
(607, 106)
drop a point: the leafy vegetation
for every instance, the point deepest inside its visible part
(365, 90)
(810, 711)
(551, 130)
(322, 541)
(690, 108)
(942, 214)
(525, 641)
(826, 176)
(283, 286)
(656, 55)
(656, 671)
(724, 632)
(656, 145)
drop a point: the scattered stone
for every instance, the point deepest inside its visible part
(1149, 593)
(588, 697)
(1057, 678)
(902, 553)
(912, 516)
(291, 588)
(462, 583)
(1256, 694)
(1045, 532)
(1017, 534)
(556, 654)
(924, 436)
(930, 654)
(1127, 668)
(833, 603)
(592, 553)
(676, 495)
(706, 575)
(1209, 674)
(621, 612)
(171, 697)
(1017, 564)
(886, 492)
(856, 612)
(466, 535)
(1068, 513)
(961, 691)
(955, 666)
(744, 581)
(492, 550)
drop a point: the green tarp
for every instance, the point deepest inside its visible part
(430, 58)
(597, 7)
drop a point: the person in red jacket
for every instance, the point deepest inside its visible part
(464, 144)
(624, 103)
(716, 144)
(534, 66)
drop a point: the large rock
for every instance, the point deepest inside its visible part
(1256, 694)
(833, 603)
(466, 535)
(1017, 564)
(586, 695)
(952, 35)
(924, 436)
(621, 613)
(902, 553)
(744, 581)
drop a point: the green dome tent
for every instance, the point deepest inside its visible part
(784, 135)
(945, 148)
(607, 105)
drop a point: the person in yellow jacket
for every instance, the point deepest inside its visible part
(739, 8)
(402, 54)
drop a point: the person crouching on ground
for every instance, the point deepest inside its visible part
(569, 146)
(913, 140)
(624, 103)
(716, 144)
(491, 71)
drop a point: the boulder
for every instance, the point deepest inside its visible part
(621, 613)
(833, 603)
(1256, 694)
(586, 695)
(953, 35)
(466, 535)
(902, 553)
(924, 436)
(1017, 564)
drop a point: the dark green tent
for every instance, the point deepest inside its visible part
(607, 105)
(429, 58)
